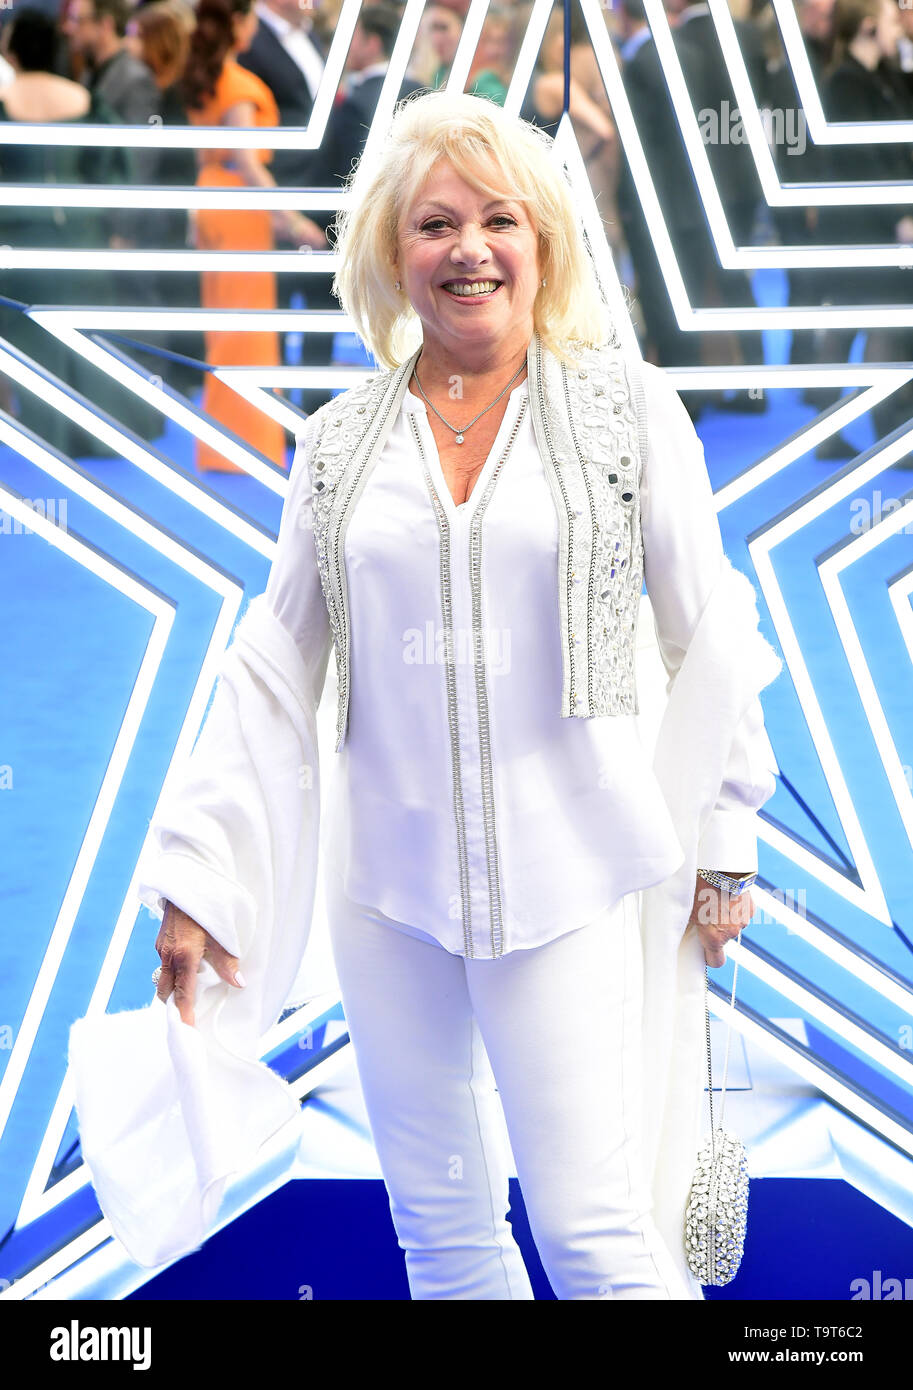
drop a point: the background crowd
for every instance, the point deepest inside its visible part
(240, 63)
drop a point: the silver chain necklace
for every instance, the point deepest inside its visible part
(460, 430)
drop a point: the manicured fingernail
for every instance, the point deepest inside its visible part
(239, 979)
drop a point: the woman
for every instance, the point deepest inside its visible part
(588, 108)
(492, 63)
(37, 93)
(488, 835)
(159, 35)
(219, 91)
(438, 40)
(860, 87)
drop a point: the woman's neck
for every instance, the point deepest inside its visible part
(439, 371)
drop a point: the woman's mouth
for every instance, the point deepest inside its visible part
(471, 291)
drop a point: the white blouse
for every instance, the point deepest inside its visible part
(474, 788)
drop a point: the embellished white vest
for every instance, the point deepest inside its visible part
(590, 425)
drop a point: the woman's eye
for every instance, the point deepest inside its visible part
(437, 223)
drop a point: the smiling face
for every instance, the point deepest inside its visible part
(468, 264)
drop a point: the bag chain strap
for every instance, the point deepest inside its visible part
(728, 1041)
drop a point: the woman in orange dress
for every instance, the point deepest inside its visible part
(218, 91)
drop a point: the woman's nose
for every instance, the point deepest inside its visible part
(471, 244)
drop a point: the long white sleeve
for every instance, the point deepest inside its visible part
(683, 551)
(212, 813)
(168, 1112)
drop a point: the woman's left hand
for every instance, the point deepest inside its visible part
(718, 917)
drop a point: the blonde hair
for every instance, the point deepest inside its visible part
(468, 131)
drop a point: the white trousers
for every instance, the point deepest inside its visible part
(556, 1029)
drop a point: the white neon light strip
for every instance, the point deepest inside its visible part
(295, 262)
(34, 1201)
(197, 424)
(91, 1240)
(799, 375)
(170, 196)
(128, 321)
(205, 137)
(396, 71)
(329, 377)
(231, 596)
(305, 260)
(167, 137)
(72, 481)
(163, 616)
(830, 571)
(815, 1076)
(822, 131)
(253, 382)
(797, 924)
(689, 319)
(899, 592)
(567, 149)
(51, 1141)
(694, 144)
(746, 258)
(643, 179)
(871, 898)
(888, 380)
(882, 1055)
(885, 382)
(466, 48)
(526, 58)
(832, 194)
(134, 453)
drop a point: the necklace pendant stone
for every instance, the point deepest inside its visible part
(459, 439)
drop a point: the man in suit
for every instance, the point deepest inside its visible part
(96, 31)
(367, 63)
(288, 55)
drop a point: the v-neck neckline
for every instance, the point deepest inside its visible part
(458, 510)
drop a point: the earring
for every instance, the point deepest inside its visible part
(542, 283)
(396, 285)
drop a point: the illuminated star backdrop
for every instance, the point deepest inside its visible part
(136, 566)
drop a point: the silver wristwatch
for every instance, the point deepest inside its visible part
(733, 886)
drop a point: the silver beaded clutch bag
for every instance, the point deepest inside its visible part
(717, 1210)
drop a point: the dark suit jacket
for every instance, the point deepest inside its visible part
(707, 80)
(852, 93)
(268, 60)
(660, 135)
(350, 122)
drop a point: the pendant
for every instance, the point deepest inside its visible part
(459, 439)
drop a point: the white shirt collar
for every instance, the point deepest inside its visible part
(282, 27)
(692, 11)
(355, 79)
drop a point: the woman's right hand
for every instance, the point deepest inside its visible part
(182, 943)
(301, 230)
